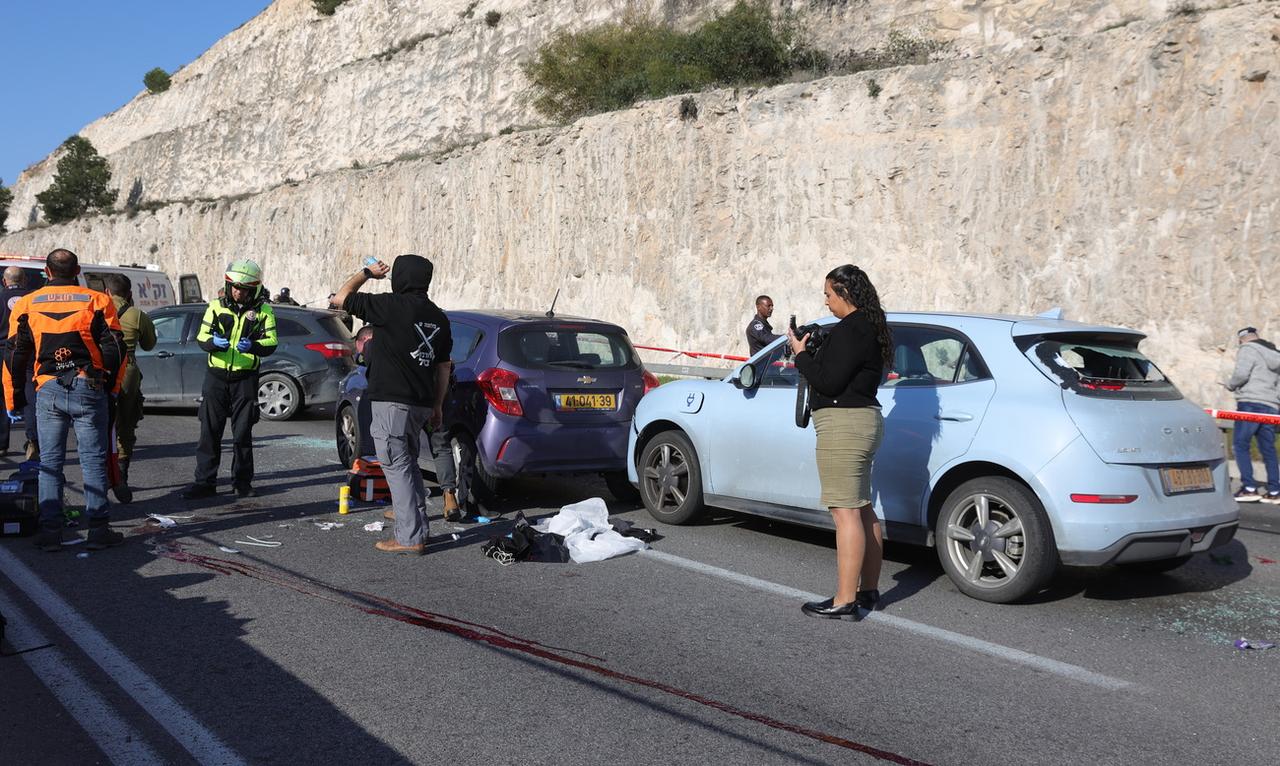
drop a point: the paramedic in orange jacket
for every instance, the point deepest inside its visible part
(73, 335)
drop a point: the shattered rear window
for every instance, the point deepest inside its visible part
(1100, 367)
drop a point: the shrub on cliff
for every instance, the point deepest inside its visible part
(612, 66)
(327, 7)
(157, 80)
(79, 185)
(6, 197)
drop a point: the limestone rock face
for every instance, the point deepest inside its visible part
(1114, 159)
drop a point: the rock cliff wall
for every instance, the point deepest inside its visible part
(1125, 171)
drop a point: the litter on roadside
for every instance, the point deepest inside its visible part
(587, 532)
(73, 541)
(375, 526)
(82, 555)
(325, 526)
(1245, 643)
(163, 521)
(225, 549)
(260, 543)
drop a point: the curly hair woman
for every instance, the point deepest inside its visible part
(843, 375)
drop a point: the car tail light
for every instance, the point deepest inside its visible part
(650, 381)
(1103, 499)
(332, 350)
(499, 388)
(1094, 384)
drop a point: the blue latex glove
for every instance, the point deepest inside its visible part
(244, 345)
(15, 416)
(221, 343)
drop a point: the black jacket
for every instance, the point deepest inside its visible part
(411, 335)
(846, 370)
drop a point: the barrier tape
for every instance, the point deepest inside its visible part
(1252, 417)
(694, 354)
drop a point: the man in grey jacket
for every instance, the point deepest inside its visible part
(1256, 383)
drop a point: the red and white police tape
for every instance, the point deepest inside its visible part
(1252, 417)
(693, 354)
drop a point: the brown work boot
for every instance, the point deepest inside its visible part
(33, 451)
(391, 546)
(452, 511)
(389, 515)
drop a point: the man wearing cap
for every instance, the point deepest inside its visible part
(237, 331)
(1256, 384)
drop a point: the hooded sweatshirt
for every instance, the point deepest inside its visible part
(411, 335)
(1257, 375)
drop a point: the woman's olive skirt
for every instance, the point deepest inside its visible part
(848, 438)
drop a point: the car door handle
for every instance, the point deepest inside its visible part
(958, 417)
(164, 354)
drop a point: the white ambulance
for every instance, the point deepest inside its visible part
(152, 288)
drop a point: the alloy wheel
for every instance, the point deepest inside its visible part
(986, 541)
(666, 477)
(274, 398)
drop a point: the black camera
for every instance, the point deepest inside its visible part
(817, 334)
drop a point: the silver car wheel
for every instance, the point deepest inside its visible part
(985, 540)
(276, 399)
(667, 475)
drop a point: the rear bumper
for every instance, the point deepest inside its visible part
(323, 386)
(1154, 546)
(511, 446)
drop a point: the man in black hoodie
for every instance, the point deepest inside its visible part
(408, 372)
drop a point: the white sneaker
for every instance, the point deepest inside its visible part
(1271, 497)
(1248, 495)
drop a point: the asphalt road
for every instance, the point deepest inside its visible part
(323, 650)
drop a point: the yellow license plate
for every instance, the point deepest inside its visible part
(1193, 479)
(586, 402)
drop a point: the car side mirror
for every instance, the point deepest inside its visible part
(746, 377)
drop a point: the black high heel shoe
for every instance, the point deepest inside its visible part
(867, 599)
(832, 611)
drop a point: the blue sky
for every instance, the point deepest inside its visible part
(64, 63)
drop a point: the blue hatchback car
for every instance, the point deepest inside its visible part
(1012, 444)
(531, 394)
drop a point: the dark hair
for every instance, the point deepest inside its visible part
(853, 284)
(118, 284)
(62, 264)
(762, 298)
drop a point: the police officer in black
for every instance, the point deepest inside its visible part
(15, 286)
(759, 331)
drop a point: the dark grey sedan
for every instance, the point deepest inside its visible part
(316, 352)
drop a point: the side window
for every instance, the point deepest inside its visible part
(931, 356)
(776, 369)
(287, 328)
(93, 281)
(169, 328)
(465, 339)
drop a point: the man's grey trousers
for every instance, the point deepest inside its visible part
(397, 439)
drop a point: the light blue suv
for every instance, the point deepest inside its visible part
(1012, 444)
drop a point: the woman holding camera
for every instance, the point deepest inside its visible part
(843, 375)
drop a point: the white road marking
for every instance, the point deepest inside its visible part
(201, 743)
(119, 741)
(1066, 670)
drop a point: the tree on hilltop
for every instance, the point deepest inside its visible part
(6, 197)
(157, 80)
(79, 185)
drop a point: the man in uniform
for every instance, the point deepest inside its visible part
(15, 286)
(139, 332)
(284, 298)
(72, 336)
(759, 331)
(237, 331)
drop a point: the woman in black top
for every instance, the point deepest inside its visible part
(843, 375)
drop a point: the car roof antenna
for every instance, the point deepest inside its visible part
(551, 312)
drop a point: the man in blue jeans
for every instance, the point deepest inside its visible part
(72, 336)
(1256, 383)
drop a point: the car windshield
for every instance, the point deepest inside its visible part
(566, 347)
(1101, 367)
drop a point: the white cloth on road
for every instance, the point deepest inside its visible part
(587, 533)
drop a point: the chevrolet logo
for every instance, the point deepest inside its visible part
(586, 380)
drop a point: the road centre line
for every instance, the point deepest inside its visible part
(202, 744)
(1063, 669)
(119, 741)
